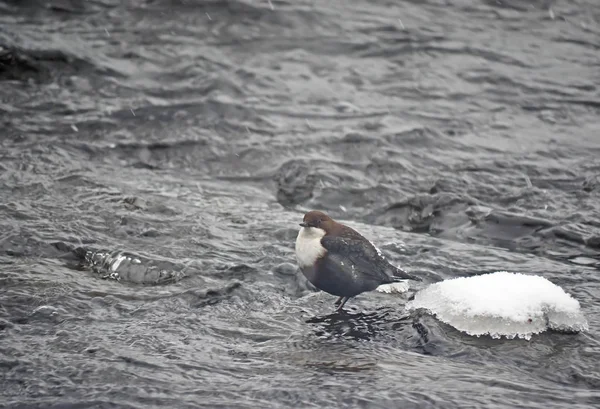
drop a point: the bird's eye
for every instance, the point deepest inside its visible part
(319, 221)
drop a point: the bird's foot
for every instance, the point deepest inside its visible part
(342, 301)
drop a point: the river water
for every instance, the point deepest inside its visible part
(156, 158)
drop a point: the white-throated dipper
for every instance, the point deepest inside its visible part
(340, 261)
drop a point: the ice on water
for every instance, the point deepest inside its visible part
(393, 288)
(501, 304)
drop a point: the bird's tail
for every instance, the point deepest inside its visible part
(400, 274)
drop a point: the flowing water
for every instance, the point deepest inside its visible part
(157, 156)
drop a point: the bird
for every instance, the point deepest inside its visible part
(338, 260)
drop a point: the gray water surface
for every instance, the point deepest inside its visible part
(156, 158)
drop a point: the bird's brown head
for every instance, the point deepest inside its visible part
(319, 220)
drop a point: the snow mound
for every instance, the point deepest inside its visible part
(501, 304)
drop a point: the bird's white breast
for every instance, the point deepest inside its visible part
(308, 246)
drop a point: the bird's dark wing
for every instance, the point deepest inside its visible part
(357, 257)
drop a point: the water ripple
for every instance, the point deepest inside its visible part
(191, 136)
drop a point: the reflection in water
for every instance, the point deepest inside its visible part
(365, 326)
(358, 326)
(383, 323)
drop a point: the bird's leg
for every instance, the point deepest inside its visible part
(339, 300)
(344, 299)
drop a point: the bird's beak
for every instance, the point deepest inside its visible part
(304, 224)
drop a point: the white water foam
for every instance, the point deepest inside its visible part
(501, 304)
(394, 288)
